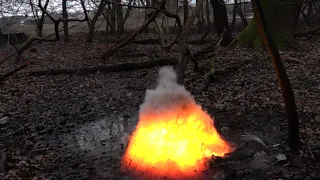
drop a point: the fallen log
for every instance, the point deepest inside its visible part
(307, 31)
(210, 76)
(156, 41)
(4, 76)
(107, 68)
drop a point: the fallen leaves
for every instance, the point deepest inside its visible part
(40, 109)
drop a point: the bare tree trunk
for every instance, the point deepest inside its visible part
(65, 20)
(208, 13)
(281, 28)
(242, 16)
(310, 13)
(112, 14)
(185, 11)
(177, 7)
(85, 12)
(159, 32)
(183, 55)
(200, 18)
(152, 17)
(221, 21)
(234, 15)
(91, 27)
(202, 14)
(39, 21)
(283, 80)
(119, 17)
(56, 30)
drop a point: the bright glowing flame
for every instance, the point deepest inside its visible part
(174, 143)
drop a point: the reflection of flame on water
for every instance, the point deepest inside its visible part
(174, 136)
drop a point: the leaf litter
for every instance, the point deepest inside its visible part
(40, 109)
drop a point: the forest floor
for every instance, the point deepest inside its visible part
(66, 126)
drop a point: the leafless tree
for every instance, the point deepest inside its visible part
(39, 15)
(65, 20)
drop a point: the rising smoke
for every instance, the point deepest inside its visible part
(167, 95)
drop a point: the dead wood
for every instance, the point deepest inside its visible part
(14, 71)
(210, 77)
(307, 32)
(135, 55)
(203, 53)
(156, 41)
(107, 68)
(152, 17)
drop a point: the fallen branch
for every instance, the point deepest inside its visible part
(156, 41)
(307, 32)
(107, 68)
(224, 72)
(14, 71)
(202, 53)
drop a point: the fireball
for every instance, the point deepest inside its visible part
(174, 137)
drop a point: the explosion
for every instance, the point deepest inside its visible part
(174, 137)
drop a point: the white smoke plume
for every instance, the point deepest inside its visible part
(168, 94)
(167, 97)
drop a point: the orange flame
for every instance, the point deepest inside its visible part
(175, 144)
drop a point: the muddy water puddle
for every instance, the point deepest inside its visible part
(95, 145)
(102, 136)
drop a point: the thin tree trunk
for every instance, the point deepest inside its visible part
(91, 27)
(208, 13)
(282, 77)
(119, 17)
(56, 30)
(65, 20)
(221, 21)
(310, 13)
(234, 15)
(112, 14)
(40, 21)
(152, 17)
(185, 11)
(242, 16)
(183, 55)
(200, 18)
(85, 12)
